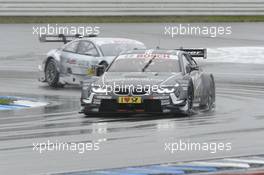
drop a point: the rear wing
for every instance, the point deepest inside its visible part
(62, 38)
(201, 53)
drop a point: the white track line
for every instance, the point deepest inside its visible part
(239, 74)
(254, 161)
(221, 164)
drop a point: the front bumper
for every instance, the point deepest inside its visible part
(150, 104)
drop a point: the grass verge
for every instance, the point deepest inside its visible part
(6, 101)
(126, 19)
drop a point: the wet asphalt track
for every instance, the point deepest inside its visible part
(125, 140)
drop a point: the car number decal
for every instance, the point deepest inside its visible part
(129, 100)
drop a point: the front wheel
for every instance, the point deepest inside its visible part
(52, 74)
(189, 101)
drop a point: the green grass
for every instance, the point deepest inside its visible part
(127, 19)
(5, 101)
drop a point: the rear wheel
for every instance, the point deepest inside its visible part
(208, 102)
(52, 74)
(211, 96)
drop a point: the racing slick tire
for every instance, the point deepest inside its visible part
(208, 99)
(52, 74)
(189, 100)
(86, 112)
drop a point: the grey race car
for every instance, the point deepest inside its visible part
(78, 58)
(151, 81)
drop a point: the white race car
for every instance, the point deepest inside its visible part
(78, 58)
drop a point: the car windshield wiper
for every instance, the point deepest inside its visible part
(149, 62)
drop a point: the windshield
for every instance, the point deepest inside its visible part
(137, 64)
(114, 49)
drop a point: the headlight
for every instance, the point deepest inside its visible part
(167, 89)
(99, 90)
(177, 85)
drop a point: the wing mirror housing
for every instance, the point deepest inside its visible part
(190, 68)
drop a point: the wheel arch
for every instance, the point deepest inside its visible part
(52, 58)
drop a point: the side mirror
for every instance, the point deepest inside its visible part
(190, 68)
(99, 70)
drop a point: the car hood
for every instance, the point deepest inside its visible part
(139, 78)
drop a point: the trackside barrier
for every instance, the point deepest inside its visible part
(129, 7)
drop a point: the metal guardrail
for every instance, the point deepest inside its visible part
(129, 7)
